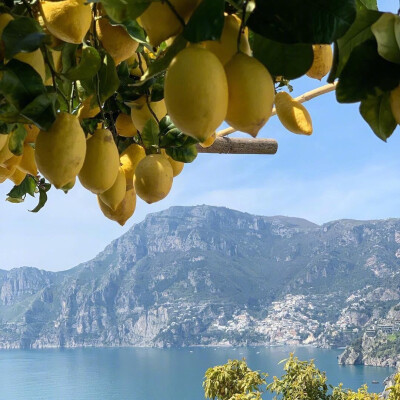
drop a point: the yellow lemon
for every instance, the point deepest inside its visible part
(5, 152)
(160, 22)
(124, 210)
(124, 126)
(100, 169)
(17, 177)
(196, 92)
(395, 103)
(60, 151)
(153, 178)
(32, 131)
(251, 94)
(3, 140)
(13, 161)
(28, 163)
(129, 159)
(6, 172)
(89, 108)
(140, 111)
(293, 115)
(115, 40)
(226, 47)
(322, 64)
(68, 20)
(34, 59)
(113, 196)
(137, 64)
(209, 141)
(177, 166)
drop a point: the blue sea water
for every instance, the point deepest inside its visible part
(150, 374)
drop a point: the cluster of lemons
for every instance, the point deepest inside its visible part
(205, 84)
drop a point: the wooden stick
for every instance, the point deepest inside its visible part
(224, 145)
(301, 99)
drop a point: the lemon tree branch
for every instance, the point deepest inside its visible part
(301, 99)
(224, 145)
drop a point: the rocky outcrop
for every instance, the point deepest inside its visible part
(210, 276)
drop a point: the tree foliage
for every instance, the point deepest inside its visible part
(82, 77)
(301, 381)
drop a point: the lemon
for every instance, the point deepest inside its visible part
(69, 185)
(153, 178)
(17, 177)
(177, 166)
(32, 131)
(138, 65)
(395, 103)
(251, 94)
(124, 210)
(226, 47)
(6, 172)
(5, 152)
(124, 126)
(13, 161)
(160, 23)
(3, 140)
(293, 115)
(209, 141)
(34, 59)
(115, 40)
(89, 108)
(322, 63)
(60, 151)
(140, 112)
(129, 159)
(196, 92)
(28, 164)
(68, 20)
(113, 196)
(100, 169)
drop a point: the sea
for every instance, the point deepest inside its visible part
(152, 374)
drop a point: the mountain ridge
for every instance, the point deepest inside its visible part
(208, 276)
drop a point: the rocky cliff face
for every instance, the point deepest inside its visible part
(208, 276)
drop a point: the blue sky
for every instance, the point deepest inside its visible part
(341, 171)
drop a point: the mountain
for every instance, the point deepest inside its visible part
(211, 276)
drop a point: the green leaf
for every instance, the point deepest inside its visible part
(42, 200)
(88, 66)
(42, 110)
(150, 134)
(367, 4)
(122, 10)
(22, 35)
(366, 74)
(134, 30)
(302, 21)
(358, 33)
(288, 60)
(20, 83)
(68, 56)
(16, 141)
(27, 186)
(162, 63)
(108, 76)
(388, 37)
(206, 23)
(377, 113)
(183, 154)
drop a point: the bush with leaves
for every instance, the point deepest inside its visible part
(107, 62)
(301, 381)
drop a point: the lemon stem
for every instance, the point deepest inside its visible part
(173, 9)
(242, 24)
